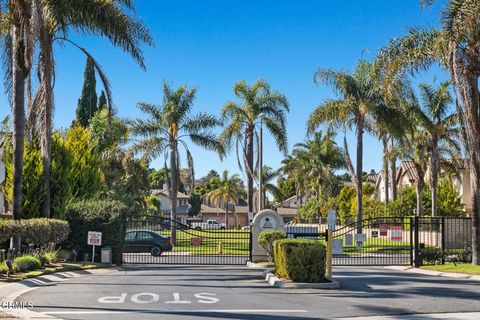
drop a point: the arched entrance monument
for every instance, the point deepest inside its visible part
(264, 220)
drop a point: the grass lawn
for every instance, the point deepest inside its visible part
(379, 245)
(232, 242)
(450, 267)
(51, 268)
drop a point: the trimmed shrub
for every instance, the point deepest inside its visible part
(267, 238)
(50, 256)
(38, 231)
(105, 216)
(26, 263)
(300, 260)
(432, 254)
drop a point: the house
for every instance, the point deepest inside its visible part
(288, 208)
(182, 203)
(380, 186)
(237, 212)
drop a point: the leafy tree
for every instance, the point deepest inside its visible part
(257, 104)
(316, 208)
(87, 103)
(32, 186)
(157, 177)
(167, 127)
(108, 131)
(61, 178)
(154, 205)
(347, 193)
(286, 188)
(86, 174)
(449, 200)
(102, 101)
(229, 190)
(208, 186)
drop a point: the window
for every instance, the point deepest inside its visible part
(130, 236)
(142, 235)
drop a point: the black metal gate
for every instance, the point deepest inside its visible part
(401, 240)
(158, 240)
(375, 241)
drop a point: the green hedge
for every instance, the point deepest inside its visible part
(267, 238)
(300, 260)
(38, 231)
(105, 216)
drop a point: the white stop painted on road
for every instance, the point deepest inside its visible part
(153, 297)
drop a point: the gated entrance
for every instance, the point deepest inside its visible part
(393, 240)
(376, 241)
(158, 240)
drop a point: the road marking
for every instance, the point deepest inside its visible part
(276, 311)
(177, 300)
(204, 297)
(153, 297)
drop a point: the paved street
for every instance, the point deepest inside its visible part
(220, 292)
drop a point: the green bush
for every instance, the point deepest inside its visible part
(38, 231)
(50, 256)
(432, 254)
(300, 260)
(26, 263)
(267, 238)
(105, 216)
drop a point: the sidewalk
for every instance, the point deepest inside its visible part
(464, 276)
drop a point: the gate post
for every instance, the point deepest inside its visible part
(443, 239)
(416, 248)
(411, 241)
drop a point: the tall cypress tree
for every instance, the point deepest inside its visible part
(87, 104)
(102, 101)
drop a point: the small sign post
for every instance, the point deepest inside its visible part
(94, 239)
(331, 221)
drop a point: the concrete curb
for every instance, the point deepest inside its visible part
(463, 276)
(276, 282)
(259, 265)
(12, 290)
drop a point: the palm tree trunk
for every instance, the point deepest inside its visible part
(46, 60)
(173, 188)
(475, 186)
(359, 170)
(393, 168)
(18, 98)
(250, 168)
(419, 190)
(226, 216)
(385, 168)
(434, 180)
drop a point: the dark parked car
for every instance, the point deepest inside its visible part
(147, 241)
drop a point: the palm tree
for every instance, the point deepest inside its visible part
(361, 103)
(258, 103)
(441, 128)
(229, 190)
(455, 47)
(170, 125)
(54, 23)
(268, 177)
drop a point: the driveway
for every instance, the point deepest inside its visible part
(226, 292)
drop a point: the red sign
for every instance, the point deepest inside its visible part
(396, 233)
(383, 230)
(196, 241)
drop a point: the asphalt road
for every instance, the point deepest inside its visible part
(228, 292)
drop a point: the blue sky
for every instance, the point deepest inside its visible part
(212, 43)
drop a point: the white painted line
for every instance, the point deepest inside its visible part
(276, 311)
(449, 316)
